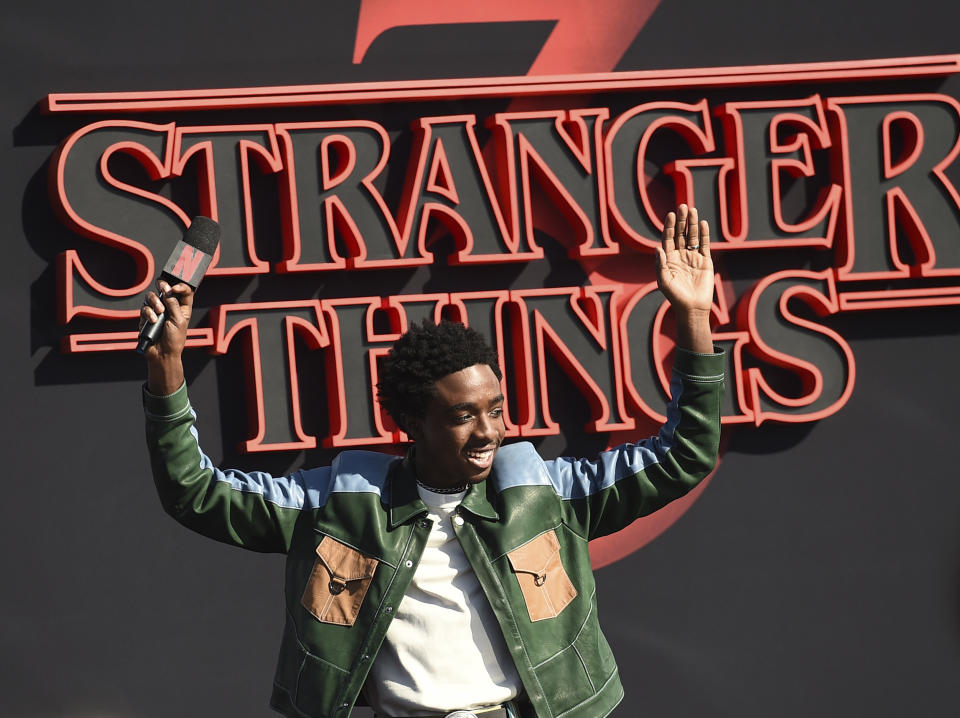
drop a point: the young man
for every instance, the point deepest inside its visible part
(455, 581)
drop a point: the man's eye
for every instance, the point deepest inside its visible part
(497, 413)
(462, 418)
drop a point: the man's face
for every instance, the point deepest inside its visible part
(462, 430)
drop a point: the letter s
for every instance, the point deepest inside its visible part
(819, 357)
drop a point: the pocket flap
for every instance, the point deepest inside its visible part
(534, 556)
(343, 562)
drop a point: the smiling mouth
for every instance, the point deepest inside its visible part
(481, 458)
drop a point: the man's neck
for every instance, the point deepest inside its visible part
(430, 482)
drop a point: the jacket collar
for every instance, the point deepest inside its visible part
(477, 501)
(405, 502)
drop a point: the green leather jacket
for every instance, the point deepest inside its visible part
(353, 534)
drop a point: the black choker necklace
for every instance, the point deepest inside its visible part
(453, 490)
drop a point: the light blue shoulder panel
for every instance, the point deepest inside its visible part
(300, 490)
(351, 472)
(362, 472)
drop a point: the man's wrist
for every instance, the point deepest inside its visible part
(164, 375)
(693, 330)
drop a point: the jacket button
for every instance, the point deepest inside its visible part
(388, 609)
(458, 520)
(423, 523)
(408, 563)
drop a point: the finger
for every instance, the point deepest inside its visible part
(180, 293)
(661, 268)
(172, 304)
(669, 232)
(704, 238)
(682, 212)
(693, 230)
(147, 315)
(153, 304)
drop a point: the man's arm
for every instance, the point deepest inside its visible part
(250, 509)
(608, 493)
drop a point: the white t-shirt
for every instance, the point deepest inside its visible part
(444, 649)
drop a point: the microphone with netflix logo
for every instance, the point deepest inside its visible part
(188, 263)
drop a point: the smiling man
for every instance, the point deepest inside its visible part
(454, 581)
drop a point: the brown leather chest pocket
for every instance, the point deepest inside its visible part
(339, 581)
(546, 587)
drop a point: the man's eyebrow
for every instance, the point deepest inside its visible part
(466, 405)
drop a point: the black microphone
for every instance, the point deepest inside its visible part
(188, 263)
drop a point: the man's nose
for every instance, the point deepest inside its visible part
(486, 427)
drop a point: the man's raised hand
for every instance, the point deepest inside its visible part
(164, 365)
(685, 276)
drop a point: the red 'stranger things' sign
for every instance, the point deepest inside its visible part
(368, 180)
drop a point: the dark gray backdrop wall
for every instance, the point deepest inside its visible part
(818, 573)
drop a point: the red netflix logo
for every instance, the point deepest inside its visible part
(187, 264)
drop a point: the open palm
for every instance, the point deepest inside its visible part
(684, 266)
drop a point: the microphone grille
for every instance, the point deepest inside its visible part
(204, 234)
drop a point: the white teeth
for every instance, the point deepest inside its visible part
(481, 457)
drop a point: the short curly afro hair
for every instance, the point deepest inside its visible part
(425, 353)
